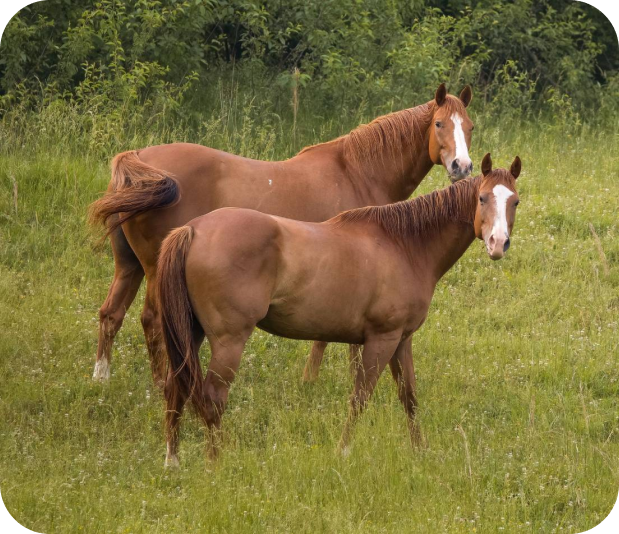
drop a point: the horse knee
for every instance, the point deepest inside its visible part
(148, 319)
(111, 319)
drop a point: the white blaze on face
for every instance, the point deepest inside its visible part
(462, 151)
(501, 194)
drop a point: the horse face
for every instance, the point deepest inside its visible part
(496, 207)
(450, 133)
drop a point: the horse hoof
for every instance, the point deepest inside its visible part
(343, 451)
(102, 370)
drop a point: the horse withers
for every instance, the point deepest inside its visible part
(364, 277)
(160, 188)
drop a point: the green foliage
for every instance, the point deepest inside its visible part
(120, 55)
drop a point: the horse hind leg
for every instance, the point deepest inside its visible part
(225, 360)
(128, 275)
(175, 404)
(151, 323)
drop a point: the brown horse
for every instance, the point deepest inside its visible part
(234, 269)
(375, 164)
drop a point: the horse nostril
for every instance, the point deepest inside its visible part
(471, 167)
(455, 164)
(506, 245)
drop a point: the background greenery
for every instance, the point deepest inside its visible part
(121, 67)
(517, 366)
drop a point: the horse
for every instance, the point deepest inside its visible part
(378, 163)
(366, 276)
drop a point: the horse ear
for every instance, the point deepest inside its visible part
(441, 95)
(466, 95)
(486, 165)
(516, 167)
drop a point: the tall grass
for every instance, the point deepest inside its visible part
(517, 367)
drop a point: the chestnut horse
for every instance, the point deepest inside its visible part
(365, 277)
(160, 188)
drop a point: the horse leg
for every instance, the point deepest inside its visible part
(312, 366)
(376, 353)
(314, 360)
(354, 359)
(403, 372)
(175, 403)
(151, 323)
(224, 364)
(128, 275)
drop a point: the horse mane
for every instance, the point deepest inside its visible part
(424, 214)
(420, 215)
(389, 135)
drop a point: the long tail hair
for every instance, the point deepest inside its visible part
(178, 321)
(135, 188)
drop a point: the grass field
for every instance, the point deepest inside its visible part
(517, 369)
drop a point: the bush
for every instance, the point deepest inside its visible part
(141, 60)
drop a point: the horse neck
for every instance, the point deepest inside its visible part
(396, 180)
(442, 246)
(399, 169)
(447, 246)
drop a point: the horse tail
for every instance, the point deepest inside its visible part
(178, 320)
(135, 188)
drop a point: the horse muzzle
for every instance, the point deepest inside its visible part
(460, 169)
(497, 246)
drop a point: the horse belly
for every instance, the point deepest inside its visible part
(281, 321)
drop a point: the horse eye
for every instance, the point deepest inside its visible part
(481, 199)
(516, 203)
(472, 127)
(437, 124)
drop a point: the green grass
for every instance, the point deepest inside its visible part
(517, 364)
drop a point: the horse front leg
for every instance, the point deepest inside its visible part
(312, 366)
(354, 359)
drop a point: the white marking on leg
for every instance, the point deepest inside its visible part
(102, 370)
(171, 460)
(462, 151)
(501, 194)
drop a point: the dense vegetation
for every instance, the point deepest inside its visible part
(158, 63)
(517, 367)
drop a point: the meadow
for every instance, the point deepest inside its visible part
(517, 369)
